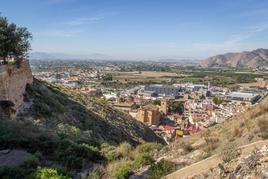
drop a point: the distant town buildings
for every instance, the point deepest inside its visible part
(172, 111)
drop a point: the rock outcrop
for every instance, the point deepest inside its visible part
(13, 81)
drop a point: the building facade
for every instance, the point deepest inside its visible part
(149, 115)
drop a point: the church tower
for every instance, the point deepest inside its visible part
(164, 106)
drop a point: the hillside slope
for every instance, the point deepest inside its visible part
(61, 133)
(253, 59)
(55, 107)
(224, 140)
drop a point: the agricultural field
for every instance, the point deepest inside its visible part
(145, 76)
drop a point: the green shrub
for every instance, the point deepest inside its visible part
(148, 147)
(25, 170)
(48, 173)
(119, 169)
(31, 163)
(13, 135)
(123, 171)
(72, 154)
(13, 173)
(109, 152)
(67, 130)
(160, 169)
(142, 159)
(112, 155)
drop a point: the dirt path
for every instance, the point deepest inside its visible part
(210, 162)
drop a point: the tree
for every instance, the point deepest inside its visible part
(217, 100)
(14, 41)
(107, 77)
(176, 107)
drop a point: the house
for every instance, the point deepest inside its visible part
(126, 107)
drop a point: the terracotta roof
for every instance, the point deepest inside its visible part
(169, 128)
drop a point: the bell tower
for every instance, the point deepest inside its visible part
(164, 106)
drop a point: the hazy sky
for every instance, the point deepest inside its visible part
(142, 29)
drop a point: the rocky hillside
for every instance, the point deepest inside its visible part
(218, 145)
(60, 108)
(253, 164)
(253, 59)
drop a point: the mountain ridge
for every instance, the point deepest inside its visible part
(247, 59)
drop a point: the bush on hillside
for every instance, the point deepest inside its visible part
(48, 173)
(124, 149)
(229, 152)
(236, 132)
(120, 169)
(148, 147)
(160, 169)
(66, 130)
(14, 173)
(186, 147)
(25, 170)
(263, 125)
(109, 152)
(13, 135)
(212, 143)
(97, 172)
(123, 171)
(142, 160)
(72, 154)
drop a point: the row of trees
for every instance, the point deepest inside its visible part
(14, 41)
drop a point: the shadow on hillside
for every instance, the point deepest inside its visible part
(96, 121)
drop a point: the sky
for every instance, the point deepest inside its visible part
(142, 29)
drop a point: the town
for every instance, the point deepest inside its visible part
(171, 109)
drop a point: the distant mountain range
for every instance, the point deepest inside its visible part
(253, 59)
(63, 56)
(100, 56)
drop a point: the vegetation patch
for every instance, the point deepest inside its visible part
(229, 152)
(160, 169)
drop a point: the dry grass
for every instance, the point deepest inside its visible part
(261, 109)
(116, 166)
(237, 132)
(263, 125)
(124, 149)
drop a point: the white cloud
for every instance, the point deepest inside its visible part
(84, 20)
(57, 33)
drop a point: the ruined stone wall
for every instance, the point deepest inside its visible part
(13, 81)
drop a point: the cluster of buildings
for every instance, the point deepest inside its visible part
(172, 111)
(199, 106)
(70, 78)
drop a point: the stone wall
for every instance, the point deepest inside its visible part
(13, 81)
